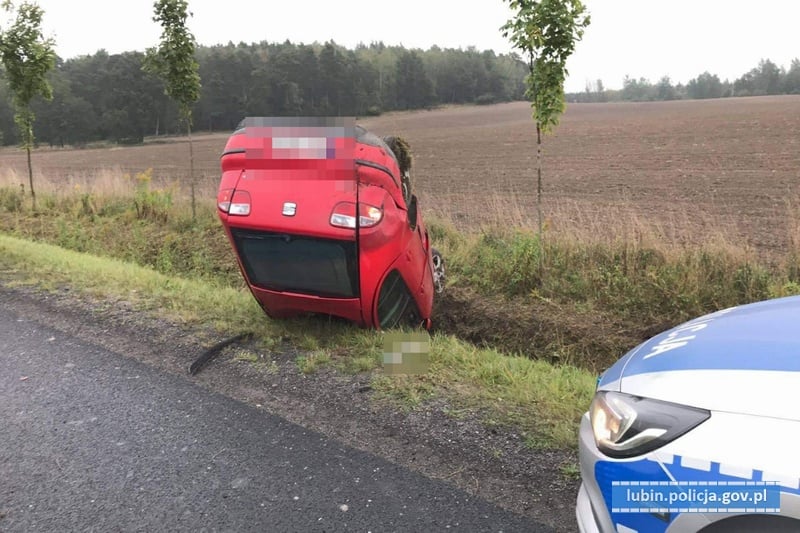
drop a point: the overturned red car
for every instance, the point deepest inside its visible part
(322, 219)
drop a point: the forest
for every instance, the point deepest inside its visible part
(110, 97)
(766, 78)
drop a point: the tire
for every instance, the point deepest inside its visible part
(439, 276)
(405, 186)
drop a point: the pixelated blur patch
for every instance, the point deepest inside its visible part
(406, 353)
(307, 138)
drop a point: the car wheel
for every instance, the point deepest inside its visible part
(405, 185)
(438, 270)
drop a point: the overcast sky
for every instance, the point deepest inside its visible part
(640, 38)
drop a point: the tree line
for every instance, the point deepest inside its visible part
(111, 97)
(765, 79)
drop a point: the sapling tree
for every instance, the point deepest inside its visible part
(546, 32)
(174, 61)
(27, 57)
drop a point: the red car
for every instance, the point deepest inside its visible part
(322, 220)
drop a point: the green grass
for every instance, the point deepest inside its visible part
(636, 280)
(246, 356)
(313, 361)
(541, 399)
(570, 470)
(358, 364)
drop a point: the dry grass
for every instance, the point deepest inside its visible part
(575, 223)
(571, 223)
(104, 184)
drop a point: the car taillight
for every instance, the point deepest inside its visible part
(224, 200)
(344, 215)
(240, 204)
(235, 203)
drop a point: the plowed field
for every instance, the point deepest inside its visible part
(685, 170)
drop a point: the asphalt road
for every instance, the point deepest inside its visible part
(94, 441)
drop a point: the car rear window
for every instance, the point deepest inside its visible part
(291, 263)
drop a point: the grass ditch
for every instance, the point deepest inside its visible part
(595, 296)
(543, 400)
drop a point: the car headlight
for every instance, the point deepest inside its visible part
(625, 425)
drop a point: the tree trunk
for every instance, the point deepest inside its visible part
(30, 176)
(539, 199)
(191, 170)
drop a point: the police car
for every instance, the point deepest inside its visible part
(698, 428)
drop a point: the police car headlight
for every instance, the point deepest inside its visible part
(625, 425)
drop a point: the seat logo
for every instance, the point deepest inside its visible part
(289, 209)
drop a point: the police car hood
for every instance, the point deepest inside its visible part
(744, 359)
